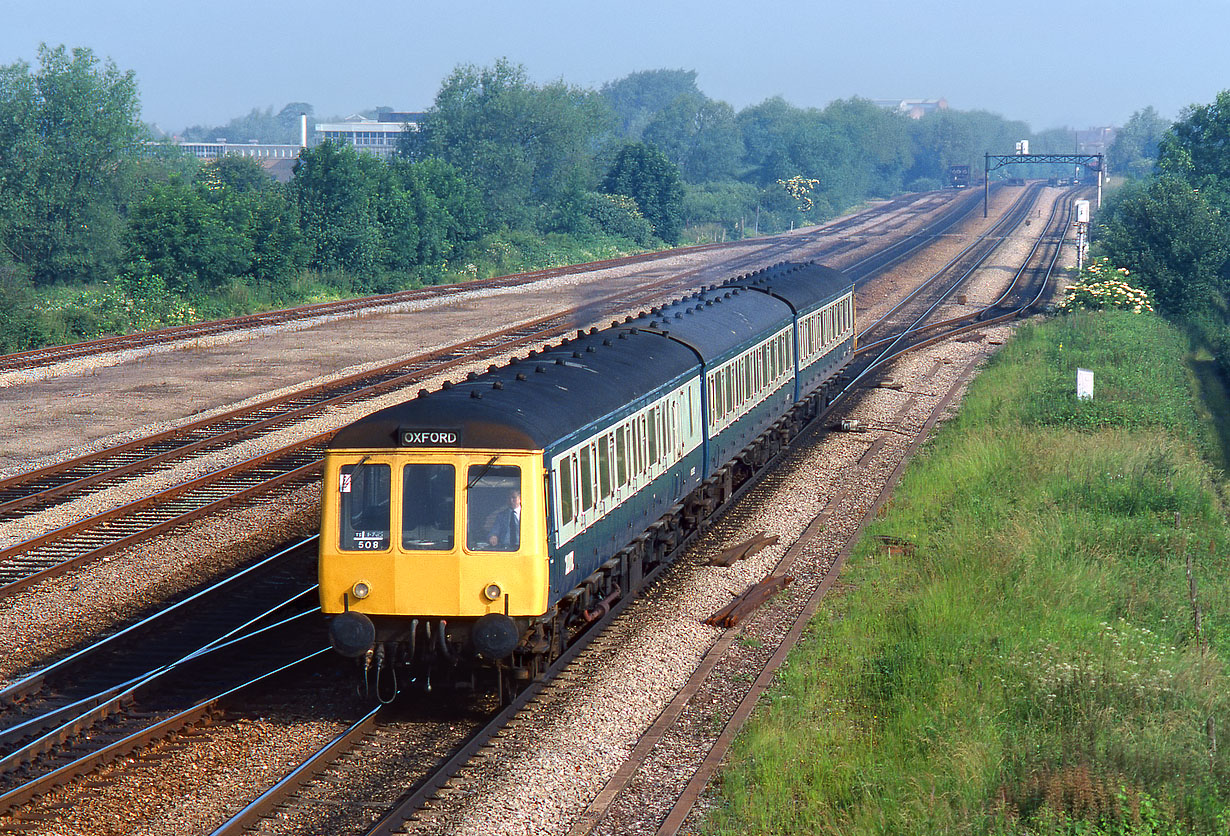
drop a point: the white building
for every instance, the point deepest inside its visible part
(377, 136)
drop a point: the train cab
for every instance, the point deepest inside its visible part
(453, 536)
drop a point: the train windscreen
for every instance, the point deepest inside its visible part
(493, 508)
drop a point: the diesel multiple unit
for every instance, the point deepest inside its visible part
(480, 526)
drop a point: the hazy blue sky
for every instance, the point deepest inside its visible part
(1050, 63)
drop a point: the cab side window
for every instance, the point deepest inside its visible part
(364, 506)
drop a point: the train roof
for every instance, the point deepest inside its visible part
(717, 322)
(804, 286)
(536, 402)
(533, 402)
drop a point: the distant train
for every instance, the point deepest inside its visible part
(478, 528)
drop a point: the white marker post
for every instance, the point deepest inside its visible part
(1084, 384)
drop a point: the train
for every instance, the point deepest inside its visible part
(474, 531)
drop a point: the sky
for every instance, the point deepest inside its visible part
(1051, 64)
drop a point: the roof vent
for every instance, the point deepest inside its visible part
(540, 370)
(520, 375)
(576, 355)
(514, 361)
(623, 335)
(474, 393)
(580, 333)
(499, 384)
(606, 341)
(593, 330)
(727, 294)
(472, 376)
(591, 349)
(628, 318)
(559, 361)
(422, 393)
(448, 384)
(678, 315)
(493, 367)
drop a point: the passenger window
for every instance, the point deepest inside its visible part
(653, 436)
(730, 391)
(621, 456)
(493, 508)
(427, 492)
(566, 512)
(604, 466)
(365, 493)
(587, 485)
(747, 378)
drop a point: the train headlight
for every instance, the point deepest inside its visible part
(492, 592)
(361, 590)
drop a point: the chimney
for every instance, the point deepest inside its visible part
(303, 130)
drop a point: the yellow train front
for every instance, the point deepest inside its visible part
(453, 536)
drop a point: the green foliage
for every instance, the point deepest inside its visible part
(699, 135)
(619, 216)
(638, 97)
(732, 206)
(179, 234)
(1032, 666)
(643, 173)
(1172, 240)
(1196, 143)
(527, 149)
(21, 326)
(1134, 151)
(954, 137)
(69, 130)
(338, 192)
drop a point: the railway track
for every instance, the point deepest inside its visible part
(347, 307)
(429, 784)
(483, 743)
(86, 540)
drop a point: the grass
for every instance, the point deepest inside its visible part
(1033, 667)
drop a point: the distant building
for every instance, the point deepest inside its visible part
(1094, 140)
(220, 148)
(913, 108)
(375, 136)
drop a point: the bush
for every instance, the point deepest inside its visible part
(22, 327)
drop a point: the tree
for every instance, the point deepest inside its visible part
(1172, 241)
(1197, 142)
(1135, 148)
(447, 208)
(69, 133)
(699, 135)
(182, 235)
(242, 174)
(527, 149)
(337, 194)
(638, 97)
(644, 174)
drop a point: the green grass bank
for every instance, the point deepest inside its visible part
(1034, 666)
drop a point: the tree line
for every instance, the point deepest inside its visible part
(1169, 224)
(500, 163)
